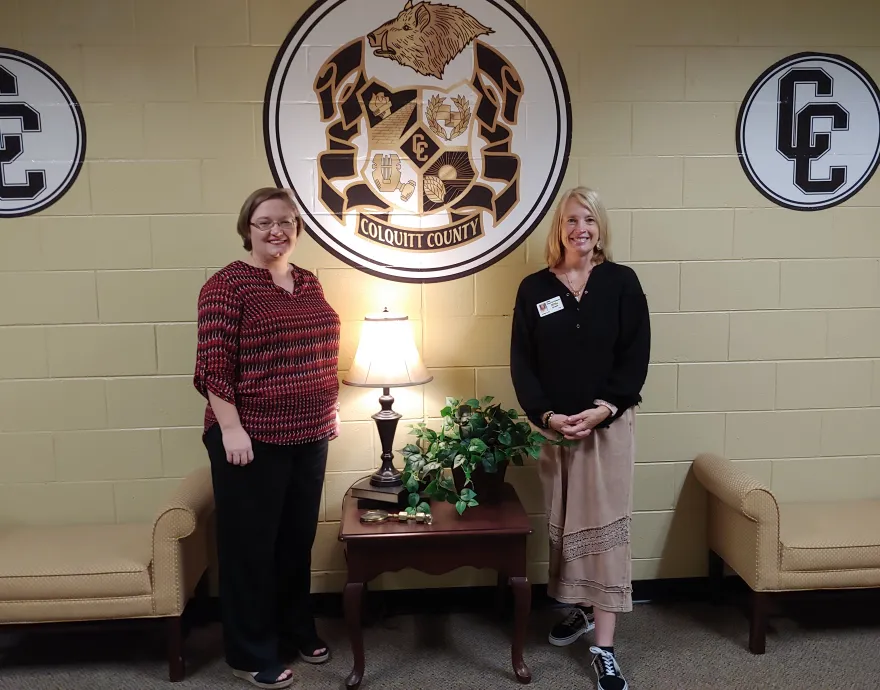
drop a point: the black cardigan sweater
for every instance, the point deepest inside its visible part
(597, 348)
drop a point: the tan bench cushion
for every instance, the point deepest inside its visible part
(830, 535)
(75, 562)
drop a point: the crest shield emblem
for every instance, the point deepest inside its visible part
(409, 153)
(419, 153)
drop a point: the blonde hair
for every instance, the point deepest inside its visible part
(554, 250)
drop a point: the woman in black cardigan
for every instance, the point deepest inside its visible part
(579, 358)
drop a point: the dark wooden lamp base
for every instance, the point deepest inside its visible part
(386, 422)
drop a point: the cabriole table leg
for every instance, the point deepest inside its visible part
(523, 596)
(353, 602)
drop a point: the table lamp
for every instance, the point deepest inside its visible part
(386, 358)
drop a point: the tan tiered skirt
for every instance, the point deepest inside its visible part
(588, 499)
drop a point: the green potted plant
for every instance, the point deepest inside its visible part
(469, 456)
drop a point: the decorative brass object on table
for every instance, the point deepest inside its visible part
(379, 516)
(374, 516)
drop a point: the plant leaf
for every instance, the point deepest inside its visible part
(477, 445)
(505, 438)
(472, 502)
(423, 508)
(473, 403)
(412, 484)
(460, 506)
(414, 500)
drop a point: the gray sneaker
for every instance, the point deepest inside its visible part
(578, 622)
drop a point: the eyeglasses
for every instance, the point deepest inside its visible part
(267, 225)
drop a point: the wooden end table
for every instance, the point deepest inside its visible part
(487, 536)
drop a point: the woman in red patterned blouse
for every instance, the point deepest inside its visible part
(268, 346)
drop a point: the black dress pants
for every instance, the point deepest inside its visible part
(267, 516)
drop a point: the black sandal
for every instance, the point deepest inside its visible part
(267, 678)
(309, 652)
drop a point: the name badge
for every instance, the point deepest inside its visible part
(550, 306)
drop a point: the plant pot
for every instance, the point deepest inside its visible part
(487, 485)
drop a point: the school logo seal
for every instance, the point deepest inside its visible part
(808, 132)
(424, 142)
(42, 135)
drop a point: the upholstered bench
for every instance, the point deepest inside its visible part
(63, 573)
(784, 547)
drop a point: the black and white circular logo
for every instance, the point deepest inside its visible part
(808, 132)
(424, 140)
(42, 135)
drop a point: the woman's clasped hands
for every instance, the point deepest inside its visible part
(578, 426)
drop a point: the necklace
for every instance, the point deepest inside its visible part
(577, 292)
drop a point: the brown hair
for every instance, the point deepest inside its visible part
(257, 197)
(554, 250)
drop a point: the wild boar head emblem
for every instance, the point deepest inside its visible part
(426, 36)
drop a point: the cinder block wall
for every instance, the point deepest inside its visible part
(766, 321)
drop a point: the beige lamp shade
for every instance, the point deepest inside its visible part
(387, 356)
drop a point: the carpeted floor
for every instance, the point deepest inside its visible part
(660, 647)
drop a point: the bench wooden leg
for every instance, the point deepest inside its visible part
(759, 611)
(176, 664)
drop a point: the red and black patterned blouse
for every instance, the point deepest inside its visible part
(271, 353)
